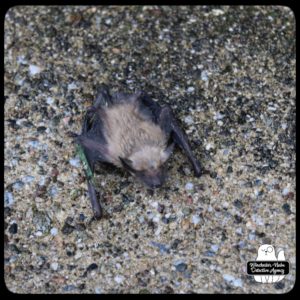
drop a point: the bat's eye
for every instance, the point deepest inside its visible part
(270, 249)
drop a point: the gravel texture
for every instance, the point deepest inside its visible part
(229, 75)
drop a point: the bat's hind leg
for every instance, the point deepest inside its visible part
(168, 122)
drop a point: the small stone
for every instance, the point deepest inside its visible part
(54, 266)
(70, 249)
(190, 89)
(53, 191)
(217, 12)
(204, 76)
(154, 204)
(41, 221)
(92, 267)
(186, 211)
(80, 227)
(185, 223)
(72, 86)
(257, 220)
(8, 199)
(74, 194)
(13, 229)
(229, 169)
(225, 151)
(28, 179)
(162, 248)
(119, 279)
(218, 116)
(118, 208)
(213, 174)
(81, 217)
(49, 100)
(257, 182)
(287, 209)
(116, 50)
(237, 203)
(33, 70)
(108, 21)
(181, 267)
(98, 290)
(189, 186)
(69, 288)
(187, 171)
(238, 219)
(127, 199)
(195, 219)
(209, 146)
(141, 219)
(165, 220)
(67, 228)
(231, 279)
(54, 231)
(168, 290)
(285, 191)
(160, 208)
(41, 129)
(189, 120)
(175, 244)
(18, 185)
(209, 253)
(75, 162)
(214, 248)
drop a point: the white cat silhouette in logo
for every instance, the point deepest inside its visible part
(267, 253)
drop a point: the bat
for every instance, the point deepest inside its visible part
(132, 132)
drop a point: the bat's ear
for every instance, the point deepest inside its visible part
(127, 164)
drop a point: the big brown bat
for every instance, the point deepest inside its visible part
(132, 132)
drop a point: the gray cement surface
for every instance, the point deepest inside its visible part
(228, 73)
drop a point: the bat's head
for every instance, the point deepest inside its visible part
(147, 164)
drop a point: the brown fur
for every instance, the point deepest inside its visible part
(131, 135)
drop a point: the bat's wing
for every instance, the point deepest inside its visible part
(92, 143)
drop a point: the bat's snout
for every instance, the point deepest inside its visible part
(153, 179)
(156, 185)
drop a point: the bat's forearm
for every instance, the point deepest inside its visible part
(181, 139)
(169, 123)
